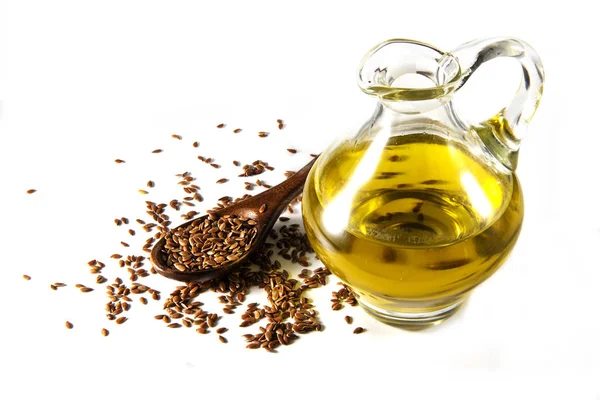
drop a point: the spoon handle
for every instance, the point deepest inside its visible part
(292, 187)
(276, 198)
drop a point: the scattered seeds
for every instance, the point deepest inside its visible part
(104, 332)
(119, 161)
(238, 130)
(142, 191)
(26, 277)
(68, 325)
(358, 330)
(221, 126)
(157, 151)
(31, 191)
(178, 137)
(348, 319)
(214, 241)
(293, 151)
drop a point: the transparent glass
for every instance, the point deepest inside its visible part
(420, 206)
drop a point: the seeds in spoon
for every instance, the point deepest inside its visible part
(208, 242)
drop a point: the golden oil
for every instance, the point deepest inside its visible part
(413, 226)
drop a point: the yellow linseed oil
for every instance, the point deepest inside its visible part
(413, 226)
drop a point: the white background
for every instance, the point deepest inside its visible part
(85, 82)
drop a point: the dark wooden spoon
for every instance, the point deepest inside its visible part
(277, 198)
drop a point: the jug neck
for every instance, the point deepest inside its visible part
(417, 81)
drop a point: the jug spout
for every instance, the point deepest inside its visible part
(409, 76)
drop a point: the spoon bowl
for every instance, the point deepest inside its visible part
(275, 200)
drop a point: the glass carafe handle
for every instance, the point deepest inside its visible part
(502, 133)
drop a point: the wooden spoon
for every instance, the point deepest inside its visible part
(277, 198)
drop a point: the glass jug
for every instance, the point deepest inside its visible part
(421, 206)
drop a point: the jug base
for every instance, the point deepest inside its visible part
(416, 321)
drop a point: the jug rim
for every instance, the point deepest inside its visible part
(437, 65)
